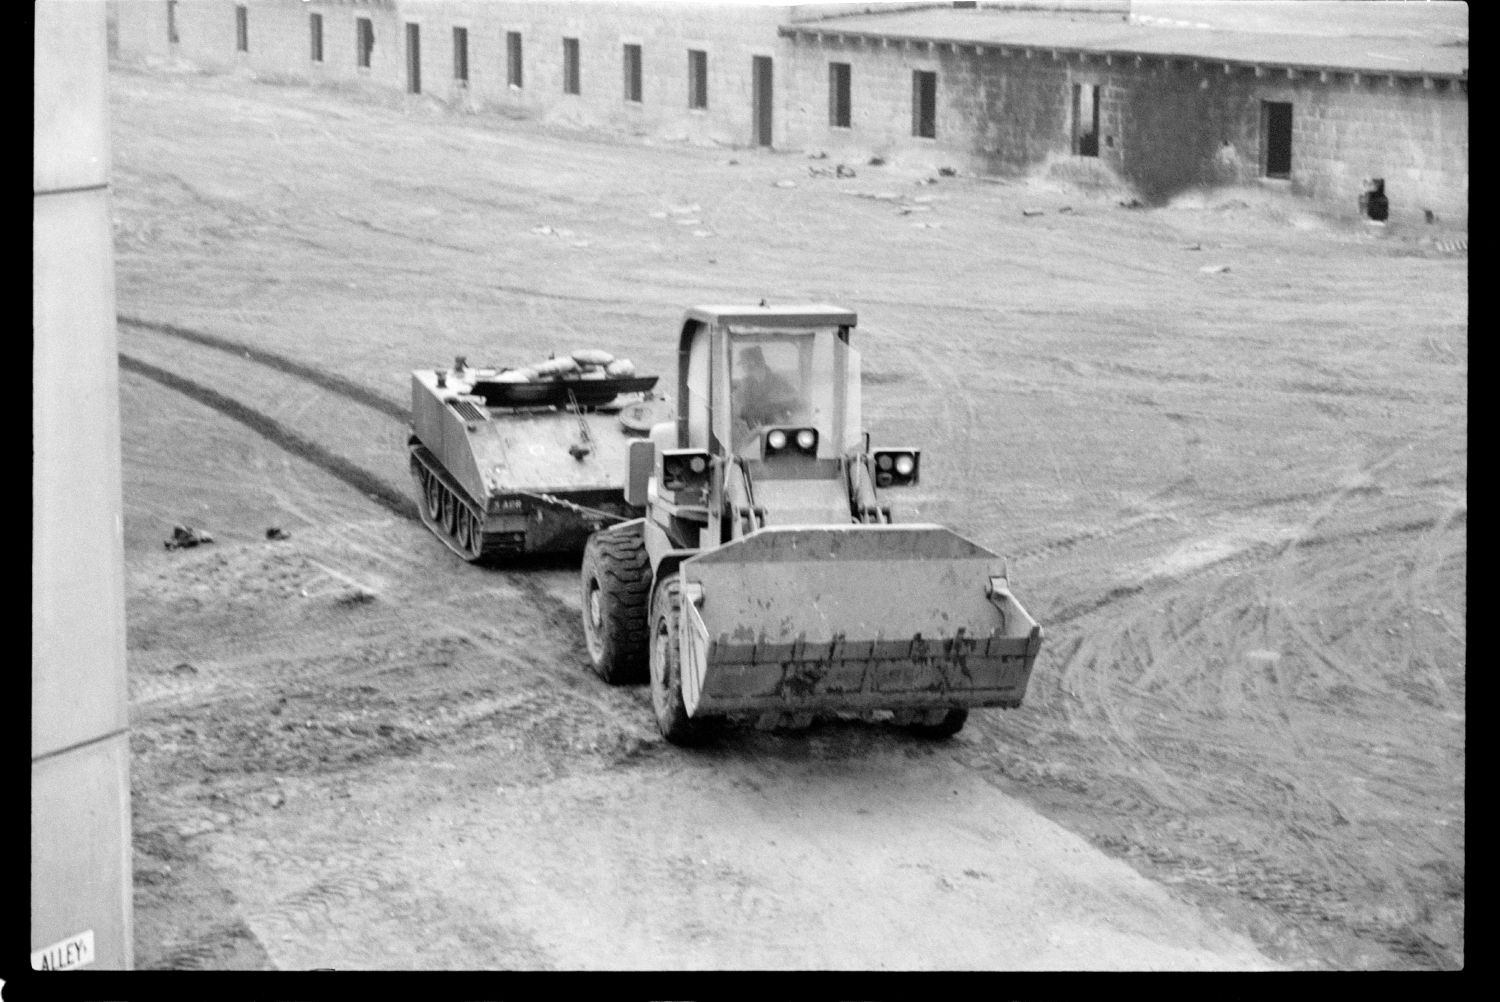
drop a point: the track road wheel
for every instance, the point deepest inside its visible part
(464, 525)
(616, 591)
(475, 548)
(450, 514)
(433, 495)
(940, 724)
(666, 669)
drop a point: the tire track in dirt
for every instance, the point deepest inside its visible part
(274, 431)
(317, 376)
(1279, 589)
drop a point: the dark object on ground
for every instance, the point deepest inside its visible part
(877, 161)
(1033, 212)
(275, 533)
(947, 172)
(1372, 201)
(184, 537)
(1134, 203)
(842, 171)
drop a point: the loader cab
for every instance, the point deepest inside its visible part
(743, 371)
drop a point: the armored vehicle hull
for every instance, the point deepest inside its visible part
(504, 467)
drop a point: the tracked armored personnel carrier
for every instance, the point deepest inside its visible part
(508, 461)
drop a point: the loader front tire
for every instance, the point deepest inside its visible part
(949, 724)
(666, 669)
(616, 590)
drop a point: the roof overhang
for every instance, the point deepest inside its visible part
(811, 315)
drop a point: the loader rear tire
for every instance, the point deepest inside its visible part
(616, 592)
(950, 724)
(666, 670)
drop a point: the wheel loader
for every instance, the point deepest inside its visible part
(768, 576)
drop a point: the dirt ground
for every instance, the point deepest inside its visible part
(1223, 442)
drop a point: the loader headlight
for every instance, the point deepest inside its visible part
(684, 469)
(784, 441)
(897, 467)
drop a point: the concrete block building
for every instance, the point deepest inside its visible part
(1314, 97)
(1310, 96)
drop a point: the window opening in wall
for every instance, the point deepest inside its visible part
(1086, 120)
(315, 30)
(413, 58)
(570, 66)
(838, 95)
(633, 73)
(697, 79)
(760, 75)
(1276, 138)
(924, 104)
(513, 58)
(364, 40)
(461, 55)
(172, 22)
(241, 29)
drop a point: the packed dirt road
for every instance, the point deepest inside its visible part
(1235, 498)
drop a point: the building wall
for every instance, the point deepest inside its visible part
(279, 44)
(80, 751)
(1163, 127)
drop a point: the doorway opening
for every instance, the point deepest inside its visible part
(1276, 133)
(761, 76)
(413, 58)
(1086, 120)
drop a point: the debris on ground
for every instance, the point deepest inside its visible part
(277, 533)
(1134, 203)
(877, 161)
(926, 180)
(1033, 212)
(947, 172)
(1214, 269)
(842, 170)
(1192, 247)
(184, 537)
(819, 155)
(183, 668)
(1065, 210)
(357, 596)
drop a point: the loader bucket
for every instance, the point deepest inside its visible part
(851, 617)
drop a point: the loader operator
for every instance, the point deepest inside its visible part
(761, 395)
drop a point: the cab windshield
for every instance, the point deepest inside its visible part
(780, 378)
